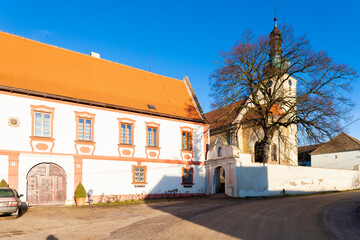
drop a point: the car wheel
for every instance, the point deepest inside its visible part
(17, 213)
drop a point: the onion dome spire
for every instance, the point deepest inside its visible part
(276, 60)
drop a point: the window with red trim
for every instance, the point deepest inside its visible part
(186, 140)
(42, 124)
(152, 136)
(139, 175)
(187, 176)
(85, 129)
(126, 133)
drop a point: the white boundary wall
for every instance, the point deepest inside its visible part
(256, 179)
(243, 178)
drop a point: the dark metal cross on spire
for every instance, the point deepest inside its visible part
(275, 19)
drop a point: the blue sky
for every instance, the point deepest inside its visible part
(186, 36)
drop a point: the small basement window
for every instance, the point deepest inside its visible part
(151, 107)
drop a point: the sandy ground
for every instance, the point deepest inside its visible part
(325, 216)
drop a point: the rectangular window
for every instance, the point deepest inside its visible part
(187, 178)
(152, 137)
(273, 153)
(84, 129)
(139, 174)
(125, 133)
(42, 124)
(186, 141)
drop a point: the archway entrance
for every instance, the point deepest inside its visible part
(46, 184)
(219, 180)
(257, 150)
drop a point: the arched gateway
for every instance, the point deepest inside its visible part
(219, 180)
(46, 184)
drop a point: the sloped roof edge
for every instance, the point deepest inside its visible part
(51, 70)
(93, 103)
(340, 143)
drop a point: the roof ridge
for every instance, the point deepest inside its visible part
(352, 138)
(226, 106)
(86, 55)
(335, 141)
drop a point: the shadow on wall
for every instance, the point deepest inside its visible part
(167, 187)
(278, 180)
(252, 181)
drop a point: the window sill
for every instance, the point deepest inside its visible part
(84, 142)
(187, 151)
(153, 148)
(126, 145)
(139, 184)
(40, 138)
(187, 185)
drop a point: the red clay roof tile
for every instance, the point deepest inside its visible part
(34, 66)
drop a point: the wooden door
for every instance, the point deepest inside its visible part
(47, 189)
(46, 184)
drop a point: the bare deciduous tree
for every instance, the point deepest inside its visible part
(286, 83)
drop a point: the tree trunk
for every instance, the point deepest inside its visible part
(265, 147)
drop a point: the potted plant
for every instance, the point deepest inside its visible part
(3, 183)
(80, 195)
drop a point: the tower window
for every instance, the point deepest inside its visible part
(219, 152)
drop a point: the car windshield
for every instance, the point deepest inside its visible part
(6, 193)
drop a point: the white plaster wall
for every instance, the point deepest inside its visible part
(106, 130)
(4, 167)
(28, 161)
(15, 138)
(115, 177)
(103, 176)
(256, 179)
(341, 160)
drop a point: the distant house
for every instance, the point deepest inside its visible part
(304, 158)
(341, 152)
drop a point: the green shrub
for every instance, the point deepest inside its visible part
(80, 191)
(3, 183)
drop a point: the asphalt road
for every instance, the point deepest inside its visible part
(322, 216)
(329, 216)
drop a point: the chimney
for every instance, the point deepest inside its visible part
(95, 55)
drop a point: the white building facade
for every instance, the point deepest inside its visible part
(51, 141)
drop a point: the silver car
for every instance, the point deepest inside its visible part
(10, 202)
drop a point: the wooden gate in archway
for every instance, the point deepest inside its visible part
(46, 185)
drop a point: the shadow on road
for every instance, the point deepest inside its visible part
(219, 216)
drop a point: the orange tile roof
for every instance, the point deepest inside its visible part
(35, 66)
(275, 110)
(224, 115)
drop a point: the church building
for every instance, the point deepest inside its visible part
(234, 165)
(67, 117)
(236, 122)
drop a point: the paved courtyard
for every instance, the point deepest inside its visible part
(323, 216)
